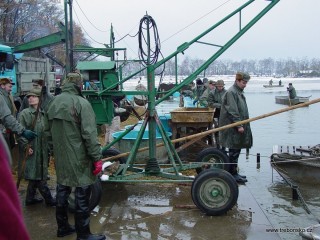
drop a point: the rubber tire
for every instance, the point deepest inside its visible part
(210, 154)
(219, 181)
(95, 197)
(113, 152)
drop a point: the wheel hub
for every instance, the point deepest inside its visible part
(215, 192)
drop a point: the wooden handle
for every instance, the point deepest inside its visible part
(205, 133)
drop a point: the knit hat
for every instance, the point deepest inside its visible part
(199, 82)
(242, 76)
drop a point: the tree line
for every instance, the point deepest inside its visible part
(265, 67)
(22, 21)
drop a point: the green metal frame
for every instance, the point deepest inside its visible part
(152, 167)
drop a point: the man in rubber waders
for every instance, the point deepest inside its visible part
(234, 109)
(70, 121)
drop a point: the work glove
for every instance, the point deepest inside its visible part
(30, 135)
(97, 167)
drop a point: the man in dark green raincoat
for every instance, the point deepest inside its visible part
(234, 109)
(292, 91)
(71, 123)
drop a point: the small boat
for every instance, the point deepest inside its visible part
(272, 86)
(287, 101)
(302, 165)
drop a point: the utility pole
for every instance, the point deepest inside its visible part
(69, 36)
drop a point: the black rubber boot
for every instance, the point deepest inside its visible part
(31, 192)
(233, 157)
(46, 194)
(64, 228)
(82, 215)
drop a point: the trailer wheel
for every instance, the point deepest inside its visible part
(110, 152)
(95, 197)
(214, 191)
(213, 155)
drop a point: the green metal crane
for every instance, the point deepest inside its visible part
(214, 191)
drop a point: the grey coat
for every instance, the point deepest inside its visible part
(234, 109)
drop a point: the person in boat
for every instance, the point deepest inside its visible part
(214, 101)
(210, 87)
(234, 109)
(292, 91)
(280, 82)
(270, 82)
(35, 153)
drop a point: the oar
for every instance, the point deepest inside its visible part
(289, 98)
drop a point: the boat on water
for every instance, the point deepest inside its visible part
(272, 86)
(287, 101)
(301, 165)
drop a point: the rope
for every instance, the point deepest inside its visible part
(147, 23)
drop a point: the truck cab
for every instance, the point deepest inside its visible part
(7, 65)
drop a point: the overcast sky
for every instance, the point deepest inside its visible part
(289, 30)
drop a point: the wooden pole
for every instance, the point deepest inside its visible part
(202, 134)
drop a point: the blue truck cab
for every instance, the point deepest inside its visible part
(7, 68)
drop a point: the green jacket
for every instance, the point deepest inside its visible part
(215, 100)
(37, 163)
(7, 120)
(70, 121)
(234, 109)
(292, 92)
(204, 97)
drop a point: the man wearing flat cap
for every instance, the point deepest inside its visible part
(70, 121)
(5, 92)
(234, 109)
(8, 122)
